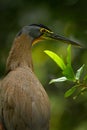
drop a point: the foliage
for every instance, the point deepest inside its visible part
(68, 18)
(68, 73)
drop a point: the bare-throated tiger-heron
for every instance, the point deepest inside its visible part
(24, 104)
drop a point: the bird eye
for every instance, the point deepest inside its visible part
(42, 30)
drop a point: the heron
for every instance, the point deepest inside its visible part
(24, 103)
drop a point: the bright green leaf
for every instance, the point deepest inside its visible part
(56, 58)
(79, 72)
(62, 79)
(68, 73)
(69, 55)
(70, 91)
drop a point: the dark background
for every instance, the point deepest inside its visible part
(65, 17)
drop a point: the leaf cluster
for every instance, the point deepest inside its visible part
(69, 74)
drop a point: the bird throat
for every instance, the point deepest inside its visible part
(20, 54)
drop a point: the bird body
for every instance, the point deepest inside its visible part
(24, 104)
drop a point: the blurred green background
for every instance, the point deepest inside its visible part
(65, 17)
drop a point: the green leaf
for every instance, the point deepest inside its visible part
(56, 59)
(70, 91)
(62, 79)
(69, 55)
(81, 92)
(79, 72)
(69, 73)
(85, 77)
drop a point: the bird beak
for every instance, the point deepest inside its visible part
(51, 35)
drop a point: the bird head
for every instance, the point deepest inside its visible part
(40, 32)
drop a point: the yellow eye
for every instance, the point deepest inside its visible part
(42, 30)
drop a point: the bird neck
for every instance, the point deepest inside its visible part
(20, 54)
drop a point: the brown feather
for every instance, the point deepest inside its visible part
(24, 102)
